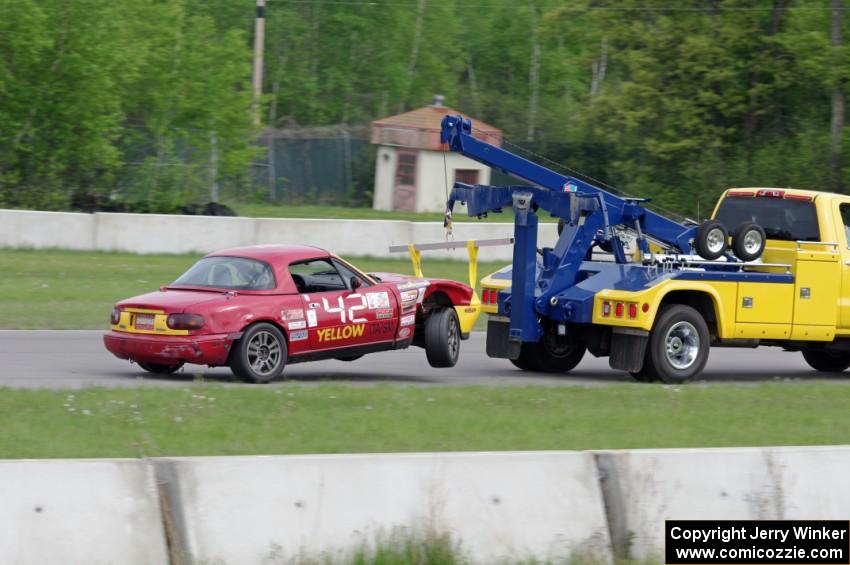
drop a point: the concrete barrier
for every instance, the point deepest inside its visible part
(24, 229)
(645, 487)
(93, 512)
(162, 233)
(498, 505)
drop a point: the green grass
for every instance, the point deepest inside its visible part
(205, 419)
(341, 212)
(76, 290)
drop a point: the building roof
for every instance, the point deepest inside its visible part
(420, 129)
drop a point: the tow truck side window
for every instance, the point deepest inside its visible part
(845, 219)
(784, 219)
(317, 275)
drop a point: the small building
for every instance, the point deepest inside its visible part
(412, 167)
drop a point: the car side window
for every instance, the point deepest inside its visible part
(845, 219)
(317, 275)
(347, 273)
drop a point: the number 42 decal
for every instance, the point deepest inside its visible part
(351, 309)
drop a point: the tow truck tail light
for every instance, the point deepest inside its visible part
(618, 309)
(632, 310)
(115, 317)
(494, 296)
(771, 193)
(798, 197)
(485, 296)
(645, 307)
(606, 308)
(185, 321)
(738, 194)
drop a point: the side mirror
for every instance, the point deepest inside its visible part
(355, 283)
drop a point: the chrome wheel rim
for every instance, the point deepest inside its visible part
(715, 241)
(454, 339)
(681, 345)
(752, 242)
(264, 353)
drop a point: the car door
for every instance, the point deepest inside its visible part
(337, 316)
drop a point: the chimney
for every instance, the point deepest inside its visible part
(438, 101)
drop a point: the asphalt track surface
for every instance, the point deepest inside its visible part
(75, 359)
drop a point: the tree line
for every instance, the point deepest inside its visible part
(675, 100)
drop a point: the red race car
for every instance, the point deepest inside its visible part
(260, 308)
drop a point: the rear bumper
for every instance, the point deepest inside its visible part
(170, 350)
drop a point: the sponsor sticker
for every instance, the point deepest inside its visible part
(299, 325)
(403, 333)
(311, 319)
(298, 336)
(384, 314)
(340, 332)
(410, 295)
(377, 300)
(292, 314)
(408, 320)
(380, 328)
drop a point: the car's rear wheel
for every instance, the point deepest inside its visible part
(827, 361)
(260, 354)
(442, 337)
(159, 368)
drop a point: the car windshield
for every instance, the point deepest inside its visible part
(236, 273)
(790, 220)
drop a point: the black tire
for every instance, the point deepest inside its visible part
(260, 354)
(349, 358)
(826, 361)
(527, 360)
(442, 337)
(159, 368)
(645, 375)
(748, 241)
(711, 240)
(685, 331)
(552, 354)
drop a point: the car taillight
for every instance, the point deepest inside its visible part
(618, 309)
(632, 310)
(606, 308)
(185, 321)
(115, 317)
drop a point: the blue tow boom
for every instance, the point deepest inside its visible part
(589, 213)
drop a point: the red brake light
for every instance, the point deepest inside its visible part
(606, 308)
(632, 310)
(798, 197)
(115, 317)
(771, 193)
(185, 321)
(494, 296)
(618, 310)
(645, 307)
(738, 193)
(485, 296)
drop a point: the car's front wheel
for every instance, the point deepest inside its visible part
(442, 338)
(260, 354)
(159, 368)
